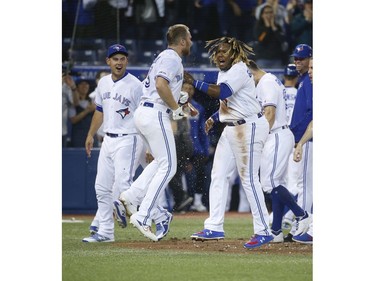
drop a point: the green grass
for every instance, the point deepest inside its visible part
(118, 261)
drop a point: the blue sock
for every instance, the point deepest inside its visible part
(287, 199)
(277, 211)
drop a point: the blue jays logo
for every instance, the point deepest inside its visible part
(123, 112)
(299, 48)
(117, 48)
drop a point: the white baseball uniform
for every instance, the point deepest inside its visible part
(240, 145)
(294, 171)
(153, 120)
(280, 141)
(120, 153)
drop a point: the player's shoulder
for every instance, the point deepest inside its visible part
(133, 78)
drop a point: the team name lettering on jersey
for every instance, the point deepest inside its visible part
(121, 99)
(106, 95)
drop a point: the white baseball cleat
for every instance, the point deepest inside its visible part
(143, 228)
(129, 207)
(278, 238)
(95, 238)
(303, 224)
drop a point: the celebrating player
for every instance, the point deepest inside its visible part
(161, 93)
(277, 149)
(241, 141)
(118, 95)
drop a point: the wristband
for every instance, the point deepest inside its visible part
(215, 116)
(201, 86)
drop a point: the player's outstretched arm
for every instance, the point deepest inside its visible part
(212, 90)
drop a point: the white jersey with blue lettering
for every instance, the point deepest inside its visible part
(119, 99)
(168, 65)
(242, 104)
(271, 92)
(290, 99)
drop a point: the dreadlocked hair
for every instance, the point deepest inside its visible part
(241, 51)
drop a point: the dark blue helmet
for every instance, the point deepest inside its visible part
(302, 51)
(290, 70)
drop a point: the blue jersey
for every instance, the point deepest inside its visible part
(303, 108)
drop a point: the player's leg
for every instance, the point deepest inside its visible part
(156, 128)
(103, 188)
(247, 147)
(126, 160)
(222, 170)
(306, 198)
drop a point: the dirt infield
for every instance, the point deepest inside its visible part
(227, 246)
(220, 246)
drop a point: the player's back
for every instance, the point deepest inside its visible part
(271, 92)
(168, 64)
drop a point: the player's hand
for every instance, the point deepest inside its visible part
(297, 155)
(88, 145)
(149, 157)
(208, 125)
(188, 78)
(178, 114)
(184, 97)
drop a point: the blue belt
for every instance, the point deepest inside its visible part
(115, 135)
(242, 121)
(150, 104)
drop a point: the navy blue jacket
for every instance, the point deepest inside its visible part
(303, 108)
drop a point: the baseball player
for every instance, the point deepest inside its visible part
(241, 141)
(277, 149)
(118, 95)
(301, 117)
(294, 184)
(161, 93)
(306, 238)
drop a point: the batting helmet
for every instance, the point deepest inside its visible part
(302, 51)
(291, 70)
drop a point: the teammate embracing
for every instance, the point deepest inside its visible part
(241, 141)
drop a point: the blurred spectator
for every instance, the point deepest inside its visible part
(301, 25)
(81, 115)
(114, 19)
(211, 18)
(100, 133)
(69, 98)
(270, 48)
(241, 16)
(280, 12)
(197, 177)
(184, 150)
(149, 19)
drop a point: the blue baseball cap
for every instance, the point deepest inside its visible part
(291, 70)
(302, 51)
(117, 49)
